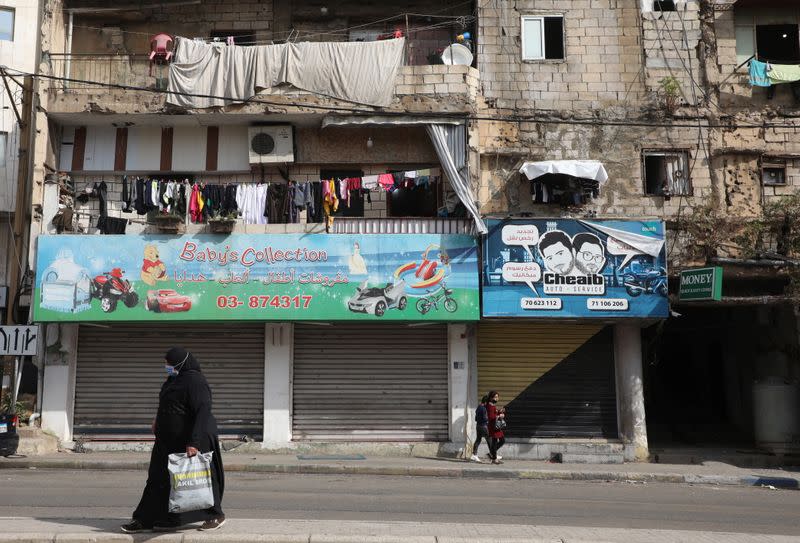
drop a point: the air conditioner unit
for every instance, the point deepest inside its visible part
(271, 144)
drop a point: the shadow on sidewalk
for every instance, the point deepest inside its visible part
(104, 525)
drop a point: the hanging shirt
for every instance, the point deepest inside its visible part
(783, 73)
(386, 181)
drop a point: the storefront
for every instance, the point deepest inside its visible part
(307, 337)
(561, 299)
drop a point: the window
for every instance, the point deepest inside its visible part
(666, 173)
(239, 37)
(7, 24)
(773, 171)
(778, 43)
(664, 5)
(356, 204)
(417, 201)
(3, 151)
(542, 37)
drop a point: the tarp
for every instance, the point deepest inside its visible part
(206, 75)
(450, 144)
(585, 169)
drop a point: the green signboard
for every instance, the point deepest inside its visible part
(289, 277)
(701, 284)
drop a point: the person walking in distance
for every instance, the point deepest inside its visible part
(497, 423)
(481, 428)
(183, 424)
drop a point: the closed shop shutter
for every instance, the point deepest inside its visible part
(120, 370)
(370, 382)
(556, 380)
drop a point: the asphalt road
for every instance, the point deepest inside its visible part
(60, 494)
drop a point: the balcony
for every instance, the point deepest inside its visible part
(419, 88)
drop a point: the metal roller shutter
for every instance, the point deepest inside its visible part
(120, 370)
(370, 382)
(556, 380)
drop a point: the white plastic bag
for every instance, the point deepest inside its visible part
(190, 482)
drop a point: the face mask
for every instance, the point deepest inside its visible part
(494, 400)
(172, 371)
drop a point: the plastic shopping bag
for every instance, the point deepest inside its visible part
(190, 482)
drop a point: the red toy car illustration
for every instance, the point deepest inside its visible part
(167, 301)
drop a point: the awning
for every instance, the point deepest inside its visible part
(585, 169)
(387, 120)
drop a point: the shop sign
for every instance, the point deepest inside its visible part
(18, 340)
(289, 277)
(575, 269)
(701, 284)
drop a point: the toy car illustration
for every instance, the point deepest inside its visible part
(377, 300)
(167, 301)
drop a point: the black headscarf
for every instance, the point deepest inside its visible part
(177, 355)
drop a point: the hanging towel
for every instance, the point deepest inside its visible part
(783, 73)
(758, 74)
(370, 182)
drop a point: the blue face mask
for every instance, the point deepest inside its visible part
(172, 371)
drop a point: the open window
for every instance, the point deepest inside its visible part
(542, 37)
(239, 37)
(664, 5)
(666, 173)
(417, 199)
(355, 206)
(780, 44)
(773, 171)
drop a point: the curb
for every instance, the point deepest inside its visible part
(222, 537)
(789, 483)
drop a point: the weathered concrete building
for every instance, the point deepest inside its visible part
(655, 91)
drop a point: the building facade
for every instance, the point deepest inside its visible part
(631, 121)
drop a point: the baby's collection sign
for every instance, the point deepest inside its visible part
(288, 277)
(575, 269)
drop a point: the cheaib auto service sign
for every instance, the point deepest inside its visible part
(575, 269)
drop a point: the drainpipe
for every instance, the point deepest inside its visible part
(69, 49)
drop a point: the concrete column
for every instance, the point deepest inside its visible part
(58, 382)
(458, 364)
(279, 352)
(630, 391)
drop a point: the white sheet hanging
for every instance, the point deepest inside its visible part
(585, 169)
(206, 75)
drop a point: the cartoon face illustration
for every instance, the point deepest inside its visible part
(152, 268)
(589, 255)
(556, 250)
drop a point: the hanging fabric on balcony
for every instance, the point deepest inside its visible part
(206, 75)
(451, 148)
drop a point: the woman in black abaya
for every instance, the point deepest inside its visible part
(184, 424)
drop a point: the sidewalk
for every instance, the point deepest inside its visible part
(22, 530)
(714, 473)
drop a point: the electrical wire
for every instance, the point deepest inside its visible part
(588, 121)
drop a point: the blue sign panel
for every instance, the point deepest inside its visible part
(575, 269)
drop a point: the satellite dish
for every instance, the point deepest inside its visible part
(457, 54)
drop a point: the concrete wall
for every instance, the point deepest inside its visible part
(18, 54)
